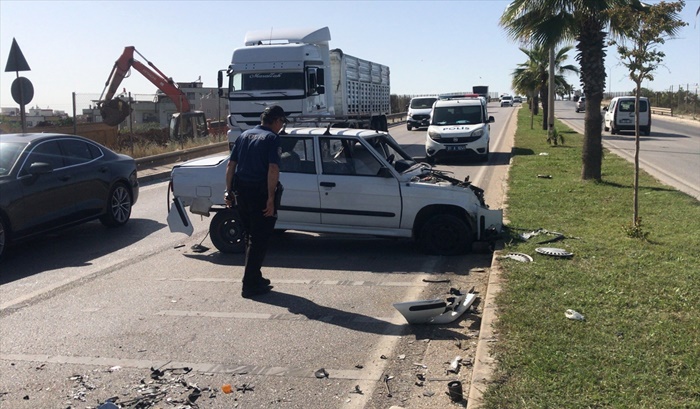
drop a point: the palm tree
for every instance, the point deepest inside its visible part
(548, 22)
(534, 73)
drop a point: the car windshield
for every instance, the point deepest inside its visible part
(9, 152)
(422, 103)
(389, 149)
(457, 115)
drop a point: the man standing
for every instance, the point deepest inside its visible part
(252, 176)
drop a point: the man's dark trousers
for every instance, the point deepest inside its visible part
(251, 200)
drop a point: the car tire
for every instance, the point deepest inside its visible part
(613, 131)
(226, 231)
(646, 131)
(445, 235)
(606, 128)
(409, 127)
(119, 206)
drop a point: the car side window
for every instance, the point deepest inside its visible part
(46, 152)
(297, 155)
(75, 151)
(342, 156)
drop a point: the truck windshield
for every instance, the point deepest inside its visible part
(268, 81)
(422, 103)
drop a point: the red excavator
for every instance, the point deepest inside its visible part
(184, 124)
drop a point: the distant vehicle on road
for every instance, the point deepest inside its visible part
(418, 115)
(581, 104)
(517, 99)
(50, 181)
(619, 115)
(506, 101)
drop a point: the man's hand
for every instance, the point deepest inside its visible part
(269, 207)
(229, 198)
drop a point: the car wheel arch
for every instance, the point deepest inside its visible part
(429, 211)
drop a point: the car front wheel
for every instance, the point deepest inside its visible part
(446, 235)
(118, 207)
(226, 232)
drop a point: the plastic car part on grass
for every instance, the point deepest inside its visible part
(574, 315)
(554, 252)
(435, 311)
(521, 257)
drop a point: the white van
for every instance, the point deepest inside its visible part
(619, 115)
(419, 112)
(458, 127)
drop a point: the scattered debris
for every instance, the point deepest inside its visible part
(436, 311)
(387, 378)
(179, 246)
(198, 248)
(424, 366)
(357, 390)
(544, 154)
(554, 252)
(574, 315)
(425, 280)
(383, 357)
(321, 373)
(359, 366)
(227, 388)
(521, 257)
(428, 393)
(544, 176)
(454, 365)
(402, 357)
(248, 387)
(454, 390)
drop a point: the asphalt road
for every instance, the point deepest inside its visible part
(90, 313)
(671, 153)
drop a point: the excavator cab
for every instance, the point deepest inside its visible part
(188, 125)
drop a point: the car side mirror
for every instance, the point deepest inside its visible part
(39, 168)
(492, 119)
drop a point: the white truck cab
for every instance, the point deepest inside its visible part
(459, 126)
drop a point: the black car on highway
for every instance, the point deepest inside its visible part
(50, 181)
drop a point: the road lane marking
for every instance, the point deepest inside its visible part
(306, 282)
(338, 318)
(201, 367)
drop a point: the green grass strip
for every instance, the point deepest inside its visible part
(639, 346)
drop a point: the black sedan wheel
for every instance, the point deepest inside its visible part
(118, 208)
(226, 232)
(446, 235)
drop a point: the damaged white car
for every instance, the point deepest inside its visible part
(339, 180)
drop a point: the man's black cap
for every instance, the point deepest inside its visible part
(272, 112)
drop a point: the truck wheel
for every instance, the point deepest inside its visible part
(445, 235)
(646, 131)
(409, 127)
(226, 232)
(118, 206)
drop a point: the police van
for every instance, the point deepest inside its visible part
(459, 127)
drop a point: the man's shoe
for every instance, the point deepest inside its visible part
(255, 291)
(264, 281)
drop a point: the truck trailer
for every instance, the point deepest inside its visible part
(297, 70)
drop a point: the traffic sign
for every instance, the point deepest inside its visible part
(22, 91)
(16, 60)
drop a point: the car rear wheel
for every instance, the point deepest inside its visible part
(226, 231)
(446, 235)
(118, 207)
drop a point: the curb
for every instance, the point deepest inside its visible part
(484, 362)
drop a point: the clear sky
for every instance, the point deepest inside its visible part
(429, 46)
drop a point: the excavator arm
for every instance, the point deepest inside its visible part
(114, 111)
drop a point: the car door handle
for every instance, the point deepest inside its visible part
(328, 184)
(103, 169)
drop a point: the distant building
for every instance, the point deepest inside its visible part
(33, 116)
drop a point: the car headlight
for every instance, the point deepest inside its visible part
(434, 135)
(478, 132)
(409, 116)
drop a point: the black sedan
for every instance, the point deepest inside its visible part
(51, 181)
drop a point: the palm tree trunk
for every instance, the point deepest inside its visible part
(591, 46)
(544, 91)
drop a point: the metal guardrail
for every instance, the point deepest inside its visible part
(662, 111)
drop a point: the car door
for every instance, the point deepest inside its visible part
(300, 201)
(47, 199)
(88, 174)
(353, 190)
